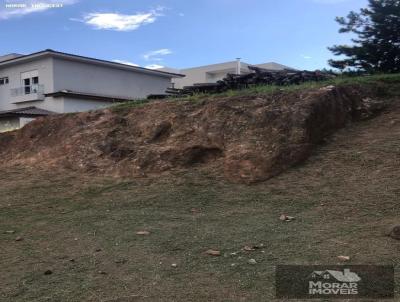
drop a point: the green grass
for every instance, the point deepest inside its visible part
(130, 104)
(338, 81)
(392, 80)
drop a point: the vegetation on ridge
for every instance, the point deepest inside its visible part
(392, 79)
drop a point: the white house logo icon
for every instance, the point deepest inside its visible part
(333, 282)
(345, 276)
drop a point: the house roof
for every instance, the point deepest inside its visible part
(341, 276)
(273, 66)
(9, 56)
(87, 96)
(68, 56)
(169, 69)
(216, 66)
(31, 111)
(232, 65)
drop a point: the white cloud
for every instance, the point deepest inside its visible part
(154, 66)
(120, 22)
(181, 15)
(306, 57)
(125, 62)
(12, 9)
(155, 54)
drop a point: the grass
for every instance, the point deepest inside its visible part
(391, 80)
(83, 228)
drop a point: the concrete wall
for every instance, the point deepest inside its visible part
(13, 123)
(191, 76)
(9, 123)
(13, 72)
(215, 72)
(77, 105)
(215, 77)
(49, 103)
(95, 79)
(207, 74)
(67, 104)
(24, 121)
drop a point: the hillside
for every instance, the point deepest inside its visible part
(245, 137)
(72, 236)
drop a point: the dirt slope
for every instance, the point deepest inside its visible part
(246, 139)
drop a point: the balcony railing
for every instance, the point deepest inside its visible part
(26, 90)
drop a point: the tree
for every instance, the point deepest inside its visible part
(377, 46)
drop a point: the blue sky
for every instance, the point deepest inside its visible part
(178, 33)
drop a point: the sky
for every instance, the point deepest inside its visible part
(178, 33)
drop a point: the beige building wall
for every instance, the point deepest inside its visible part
(216, 72)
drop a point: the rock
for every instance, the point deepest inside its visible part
(9, 232)
(213, 252)
(174, 265)
(343, 258)
(248, 248)
(144, 233)
(19, 239)
(252, 261)
(98, 250)
(102, 273)
(369, 107)
(285, 217)
(327, 88)
(394, 232)
(48, 272)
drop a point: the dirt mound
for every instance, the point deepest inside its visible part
(247, 138)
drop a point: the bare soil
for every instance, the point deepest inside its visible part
(245, 139)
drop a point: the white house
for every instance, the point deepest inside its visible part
(54, 82)
(215, 72)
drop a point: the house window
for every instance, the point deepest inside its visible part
(27, 86)
(35, 84)
(30, 81)
(4, 81)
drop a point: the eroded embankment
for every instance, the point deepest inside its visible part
(247, 139)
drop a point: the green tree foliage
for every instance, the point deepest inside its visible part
(377, 46)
